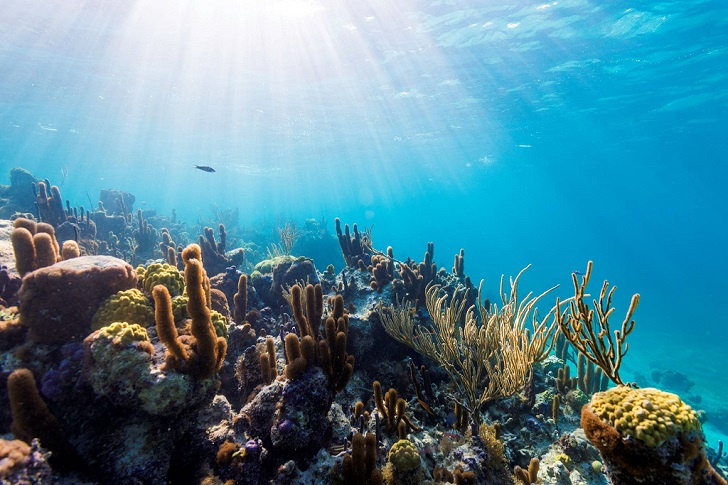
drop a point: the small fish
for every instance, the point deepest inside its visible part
(64, 175)
(204, 168)
(576, 272)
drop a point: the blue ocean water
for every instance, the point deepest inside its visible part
(526, 133)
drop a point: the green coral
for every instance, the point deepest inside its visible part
(649, 415)
(267, 265)
(125, 306)
(161, 274)
(127, 375)
(124, 333)
(220, 323)
(179, 311)
(179, 308)
(404, 456)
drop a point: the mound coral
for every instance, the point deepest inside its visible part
(647, 436)
(649, 415)
(58, 302)
(123, 333)
(122, 370)
(128, 305)
(404, 455)
(161, 274)
(405, 466)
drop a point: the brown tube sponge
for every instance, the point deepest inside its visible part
(31, 416)
(166, 329)
(297, 307)
(28, 224)
(210, 349)
(45, 251)
(48, 229)
(70, 250)
(24, 250)
(241, 300)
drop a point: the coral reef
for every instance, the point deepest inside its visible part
(163, 375)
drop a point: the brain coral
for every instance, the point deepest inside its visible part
(123, 333)
(650, 415)
(161, 274)
(129, 306)
(404, 456)
(179, 308)
(220, 323)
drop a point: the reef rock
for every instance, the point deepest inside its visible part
(18, 196)
(58, 302)
(7, 256)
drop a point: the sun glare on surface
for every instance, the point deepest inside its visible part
(293, 8)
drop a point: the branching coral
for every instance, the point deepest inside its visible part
(593, 339)
(488, 357)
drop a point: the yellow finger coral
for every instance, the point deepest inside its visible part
(161, 274)
(125, 306)
(649, 415)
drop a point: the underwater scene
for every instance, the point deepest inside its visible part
(358, 243)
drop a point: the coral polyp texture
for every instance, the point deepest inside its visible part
(129, 305)
(649, 415)
(647, 436)
(161, 274)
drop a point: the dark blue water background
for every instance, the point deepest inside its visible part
(549, 134)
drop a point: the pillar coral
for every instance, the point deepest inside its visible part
(203, 355)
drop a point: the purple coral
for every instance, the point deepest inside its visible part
(57, 383)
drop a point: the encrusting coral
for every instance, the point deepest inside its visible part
(47, 296)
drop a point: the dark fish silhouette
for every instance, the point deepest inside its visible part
(204, 168)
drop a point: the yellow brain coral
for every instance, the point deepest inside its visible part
(179, 308)
(404, 456)
(124, 306)
(123, 333)
(161, 274)
(220, 323)
(649, 415)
